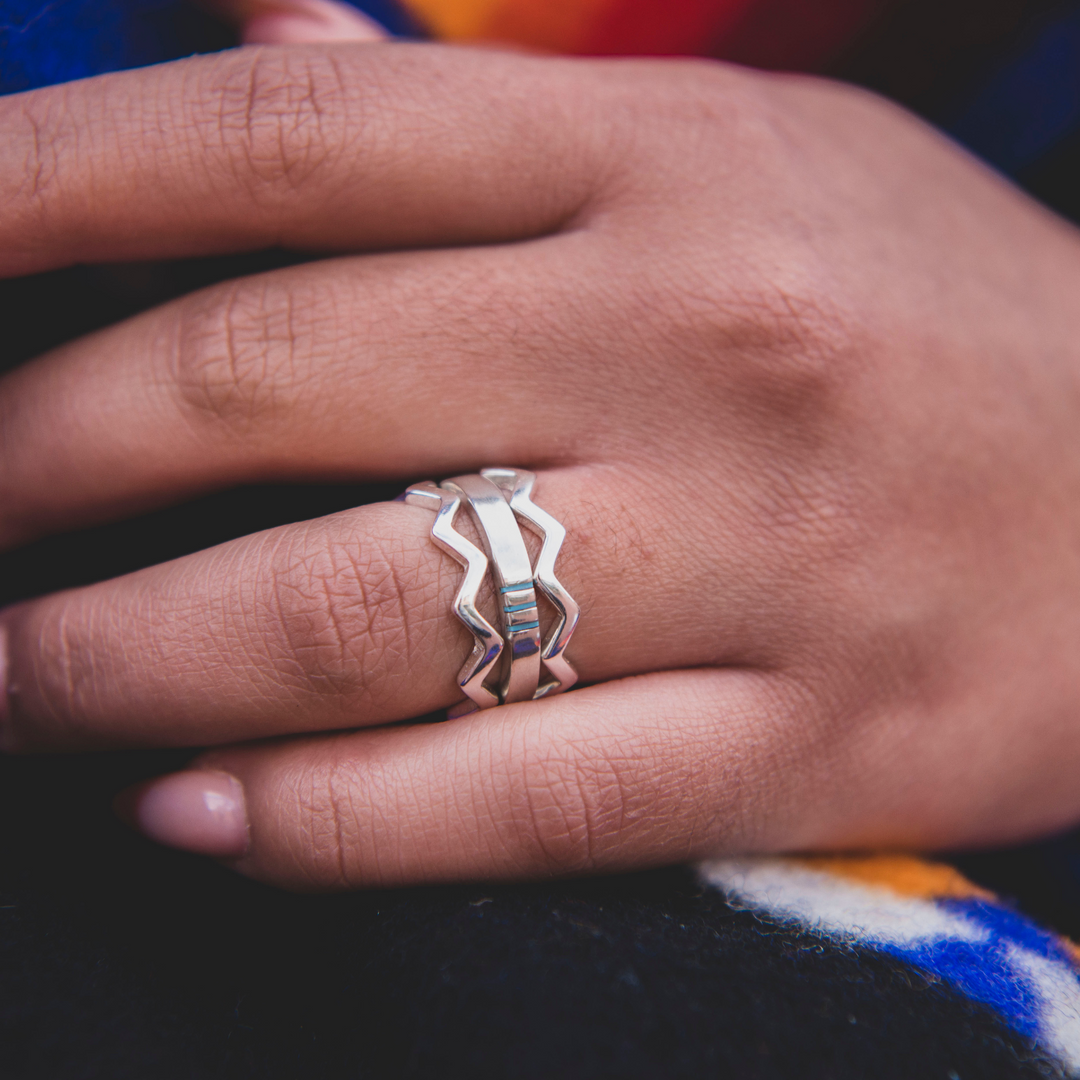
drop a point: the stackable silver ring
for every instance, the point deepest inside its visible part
(497, 499)
(516, 486)
(487, 644)
(512, 577)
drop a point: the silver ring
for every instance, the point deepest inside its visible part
(512, 577)
(487, 644)
(517, 486)
(497, 499)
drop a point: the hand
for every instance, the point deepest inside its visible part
(799, 377)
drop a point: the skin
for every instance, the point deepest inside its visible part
(801, 379)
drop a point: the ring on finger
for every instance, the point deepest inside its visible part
(498, 498)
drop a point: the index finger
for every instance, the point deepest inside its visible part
(323, 147)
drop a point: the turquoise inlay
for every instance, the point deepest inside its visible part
(519, 607)
(523, 626)
(516, 588)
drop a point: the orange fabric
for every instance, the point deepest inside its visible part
(455, 20)
(786, 34)
(905, 875)
(553, 25)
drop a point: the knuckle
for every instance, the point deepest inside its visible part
(40, 164)
(576, 804)
(60, 672)
(328, 829)
(792, 352)
(349, 822)
(766, 312)
(45, 142)
(278, 114)
(242, 354)
(347, 618)
(777, 335)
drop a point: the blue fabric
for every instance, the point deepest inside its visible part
(50, 42)
(985, 971)
(43, 42)
(1030, 102)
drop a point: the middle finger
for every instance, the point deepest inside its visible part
(353, 368)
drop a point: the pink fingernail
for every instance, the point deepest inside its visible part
(201, 812)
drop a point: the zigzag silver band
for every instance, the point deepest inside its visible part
(512, 577)
(487, 643)
(517, 486)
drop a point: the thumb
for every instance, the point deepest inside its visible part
(294, 22)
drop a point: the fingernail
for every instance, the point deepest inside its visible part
(201, 812)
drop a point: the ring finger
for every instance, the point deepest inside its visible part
(354, 368)
(344, 622)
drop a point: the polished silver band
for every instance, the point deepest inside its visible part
(516, 486)
(497, 498)
(512, 577)
(487, 644)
